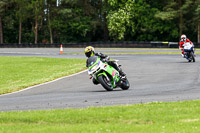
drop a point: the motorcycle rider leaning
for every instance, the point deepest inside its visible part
(184, 40)
(89, 51)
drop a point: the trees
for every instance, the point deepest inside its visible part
(64, 21)
(1, 30)
(119, 18)
(6, 21)
(98, 10)
(197, 19)
(185, 13)
(38, 12)
(2, 6)
(71, 23)
(21, 13)
(50, 12)
(135, 20)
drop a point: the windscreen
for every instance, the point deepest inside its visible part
(91, 60)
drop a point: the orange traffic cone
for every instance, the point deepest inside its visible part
(61, 49)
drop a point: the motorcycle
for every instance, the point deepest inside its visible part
(105, 74)
(189, 52)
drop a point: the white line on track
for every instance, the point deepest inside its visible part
(43, 83)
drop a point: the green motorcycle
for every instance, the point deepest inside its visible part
(106, 75)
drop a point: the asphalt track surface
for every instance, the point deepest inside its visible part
(153, 78)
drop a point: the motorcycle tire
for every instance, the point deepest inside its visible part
(189, 57)
(125, 84)
(192, 56)
(105, 83)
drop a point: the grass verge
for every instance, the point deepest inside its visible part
(183, 117)
(20, 72)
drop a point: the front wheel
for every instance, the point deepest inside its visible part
(125, 84)
(192, 56)
(105, 82)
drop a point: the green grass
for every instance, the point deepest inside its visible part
(182, 117)
(20, 72)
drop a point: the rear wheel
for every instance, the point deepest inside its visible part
(125, 84)
(105, 82)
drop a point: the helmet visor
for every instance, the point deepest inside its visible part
(183, 39)
(88, 54)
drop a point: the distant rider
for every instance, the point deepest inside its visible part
(184, 40)
(89, 51)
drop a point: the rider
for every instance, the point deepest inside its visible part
(89, 51)
(184, 40)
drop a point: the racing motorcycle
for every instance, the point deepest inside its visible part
(106, 75)
(189, 52)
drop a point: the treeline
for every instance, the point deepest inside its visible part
(64, 21)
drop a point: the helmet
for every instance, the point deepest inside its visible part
(89, 51)
(183, 38)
